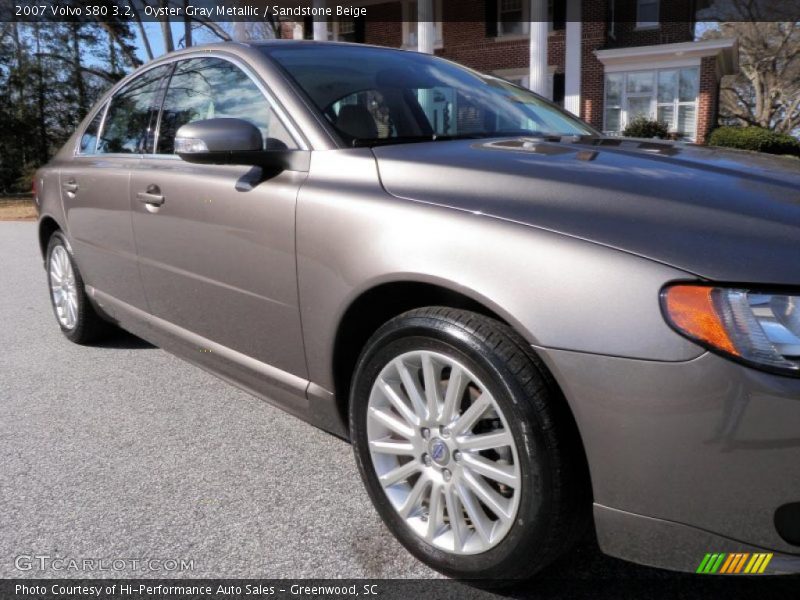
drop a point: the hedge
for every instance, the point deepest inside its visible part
(757, 139)
(642, 127)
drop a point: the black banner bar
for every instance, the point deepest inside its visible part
(676, 11)
(666, 585)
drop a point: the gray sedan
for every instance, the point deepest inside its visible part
(524, 328)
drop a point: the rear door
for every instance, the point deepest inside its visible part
(95, 187)
(216, 248)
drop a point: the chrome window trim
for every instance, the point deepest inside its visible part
(104, 109)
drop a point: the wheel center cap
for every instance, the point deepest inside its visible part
(439, 452)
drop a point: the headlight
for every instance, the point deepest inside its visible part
(757, 328)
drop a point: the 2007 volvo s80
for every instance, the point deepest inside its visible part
(523, 327)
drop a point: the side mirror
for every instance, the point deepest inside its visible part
(235, 142)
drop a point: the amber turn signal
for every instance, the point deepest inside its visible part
(690, 308)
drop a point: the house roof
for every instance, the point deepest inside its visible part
(725, 49)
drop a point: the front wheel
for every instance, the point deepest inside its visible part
(465, 446)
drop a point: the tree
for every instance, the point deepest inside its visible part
(766, 91)
(53, 73)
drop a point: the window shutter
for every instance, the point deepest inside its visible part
(490, 19)
(559, 14)
(360, 31)
(558, 88)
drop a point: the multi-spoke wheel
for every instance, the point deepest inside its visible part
(62, 288)
(443, 452)
(74, 313)
(461, 439)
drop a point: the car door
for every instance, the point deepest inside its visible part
(95, 187)
(216, 243)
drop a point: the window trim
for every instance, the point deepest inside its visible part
(280, 112)
(104, 109)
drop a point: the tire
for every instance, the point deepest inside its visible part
(80, 323)
(543, 485)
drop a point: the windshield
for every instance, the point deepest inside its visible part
(374, 95)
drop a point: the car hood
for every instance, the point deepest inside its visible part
(725, 215)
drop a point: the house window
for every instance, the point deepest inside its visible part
(342, 31)
(646, 13)
(520, 77)
(513, 16)
(668, 95)
(520, 80)
(410, 24)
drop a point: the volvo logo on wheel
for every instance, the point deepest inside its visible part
(439, 452)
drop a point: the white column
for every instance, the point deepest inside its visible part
(426, 32)
(539, 27)
(320, 23)
(297, 30)
(572, 77)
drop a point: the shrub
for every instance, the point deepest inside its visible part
(642, 127)
(757, 139)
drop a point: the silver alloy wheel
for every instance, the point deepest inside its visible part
(443, 452)
(63, 288)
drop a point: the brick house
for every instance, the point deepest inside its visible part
(605, 60)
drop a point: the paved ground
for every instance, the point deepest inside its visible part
(124, 451)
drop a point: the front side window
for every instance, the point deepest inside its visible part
(88, 142)
(209, 88)
(130, 123)
(667, 95)
(372, 95)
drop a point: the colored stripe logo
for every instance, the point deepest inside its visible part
(735, 563)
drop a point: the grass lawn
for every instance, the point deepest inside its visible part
(17, 208)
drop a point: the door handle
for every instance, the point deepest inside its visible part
(70, 186)
(152, 196)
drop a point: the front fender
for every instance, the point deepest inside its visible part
(557, 291)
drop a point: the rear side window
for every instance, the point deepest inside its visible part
(88, 143)
(209, 88)
(130, 124)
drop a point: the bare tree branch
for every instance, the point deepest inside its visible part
(102, 74)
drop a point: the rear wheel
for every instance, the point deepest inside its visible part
(462, 441)
(74, 313)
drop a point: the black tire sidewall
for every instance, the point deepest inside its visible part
(425, 333)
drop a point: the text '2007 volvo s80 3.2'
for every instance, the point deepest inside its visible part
(524, 328)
